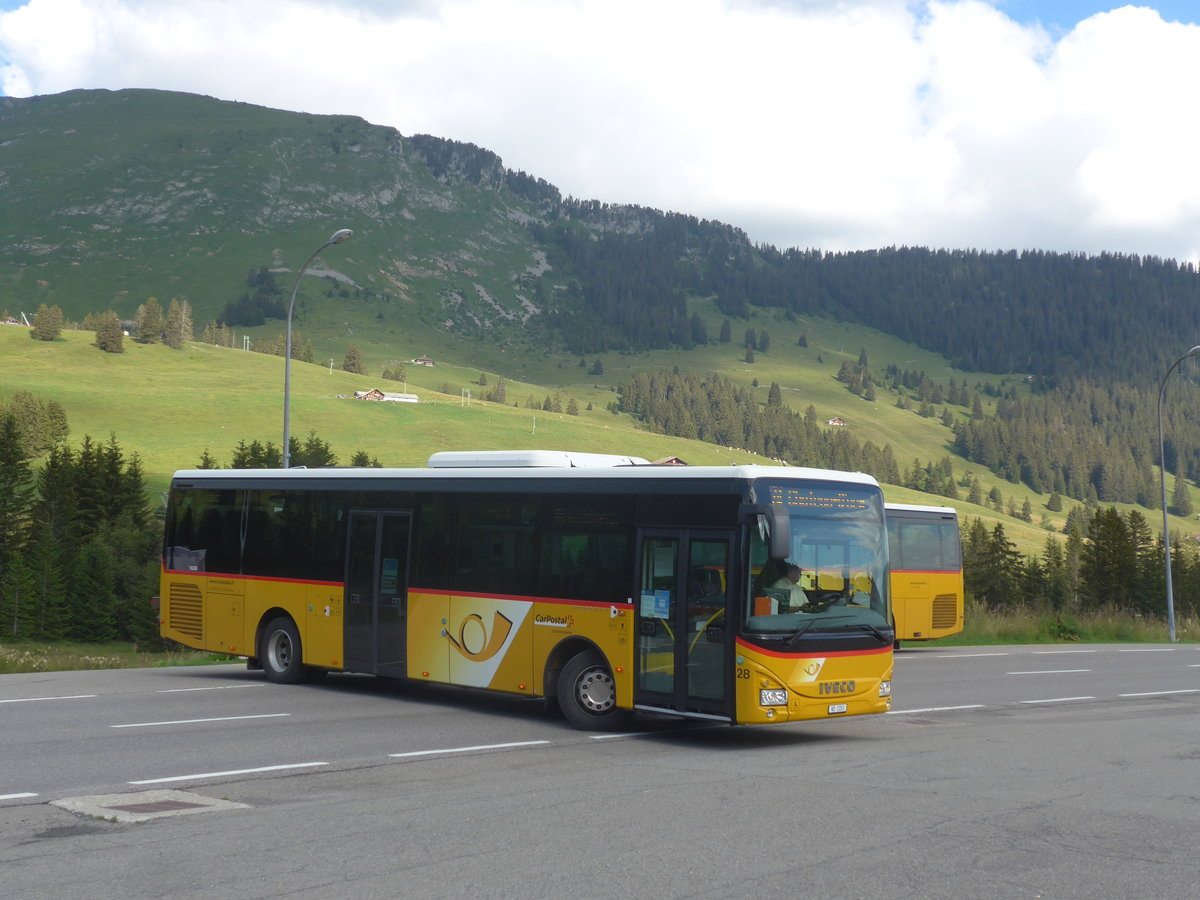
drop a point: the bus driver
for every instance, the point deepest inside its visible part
(790, 582)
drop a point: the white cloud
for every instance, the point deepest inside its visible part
(826, 123)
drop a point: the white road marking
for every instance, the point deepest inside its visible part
(230, 772)
(1145, 649)
(928, 709)
(37, 699)
(1160, 693)
(1057, 700)
(219, 687)
(968, 655)
(1050, 672)
(192, 721)
(468, 749)
(1052, 652)
(15, 796)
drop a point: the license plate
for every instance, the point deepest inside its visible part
(835, 708)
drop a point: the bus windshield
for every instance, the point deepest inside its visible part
(835, 576)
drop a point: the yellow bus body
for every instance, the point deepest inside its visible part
(927, 605)
(926, 572)
(671, 642)
(504, 644)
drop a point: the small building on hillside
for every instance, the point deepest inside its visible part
(836, 420)
(376, 394)
(422, 361)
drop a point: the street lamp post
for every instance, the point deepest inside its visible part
(338, 236)
(1162, 469)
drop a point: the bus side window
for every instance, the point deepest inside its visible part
(435, 543)
(203, 532)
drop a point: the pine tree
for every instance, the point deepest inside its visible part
(354, 361)
(16, 508)
(314, 453)
(726, 332)
(148, 323)
(109, 336)
(47, 323)
(1181, 497)
(1108, 568)
(16, 600)
(178, 328)
(48, 562)
(975, 492)
(499, 392)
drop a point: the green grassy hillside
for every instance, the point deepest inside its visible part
(170, 406)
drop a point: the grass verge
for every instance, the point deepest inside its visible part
(63, 657)
(1033, 626)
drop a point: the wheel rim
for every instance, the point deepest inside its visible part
(596, 691)
(279, 651)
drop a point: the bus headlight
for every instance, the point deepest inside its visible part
(773, 697)
(885, 689)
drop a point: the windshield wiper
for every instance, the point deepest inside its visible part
(875, 630)
(795, 635)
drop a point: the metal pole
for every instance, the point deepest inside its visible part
(1162, 470)
(338, 237)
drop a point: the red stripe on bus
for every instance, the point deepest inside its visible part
(560, 601)
(836, 653)
(251, 577)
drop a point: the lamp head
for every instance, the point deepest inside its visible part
(344, 233)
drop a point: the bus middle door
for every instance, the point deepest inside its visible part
(684, 637)
(376, 602)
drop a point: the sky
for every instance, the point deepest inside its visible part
(1066, 125)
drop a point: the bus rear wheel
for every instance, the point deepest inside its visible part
(281, 654)
(587, 693)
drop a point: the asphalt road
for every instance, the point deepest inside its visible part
(1001, 772)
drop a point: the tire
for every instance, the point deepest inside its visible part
(587, 694)
(281, 654)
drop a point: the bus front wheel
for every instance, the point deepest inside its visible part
(587, 693)
(280, 652)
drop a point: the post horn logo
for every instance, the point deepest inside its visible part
(474, 642)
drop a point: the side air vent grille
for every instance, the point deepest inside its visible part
(186, 610)
(945, 611)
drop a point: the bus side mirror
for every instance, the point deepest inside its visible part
(774, 526)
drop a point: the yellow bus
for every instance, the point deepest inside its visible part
(927, 576)
(604, 584)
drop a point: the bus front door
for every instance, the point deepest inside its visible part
(376, 592)
(683, 627)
